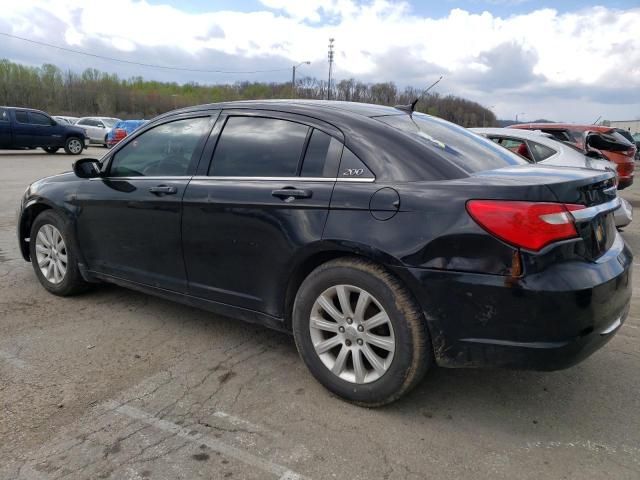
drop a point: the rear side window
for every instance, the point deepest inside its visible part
(258, 147)
(542, 152)
(468, 151)
(322, 156)
(22, 116)
(39, 119)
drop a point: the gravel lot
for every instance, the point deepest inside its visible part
(117, 384)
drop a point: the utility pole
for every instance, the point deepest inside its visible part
(330, 55)
(293, 78)
(521, 113)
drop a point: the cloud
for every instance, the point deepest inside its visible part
(590, 56)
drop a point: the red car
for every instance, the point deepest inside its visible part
(613, 146)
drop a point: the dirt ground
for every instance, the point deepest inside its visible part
(117, 384)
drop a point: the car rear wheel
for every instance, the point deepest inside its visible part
(73, 146)
(53, 256)
(50, 149)
(360, 332)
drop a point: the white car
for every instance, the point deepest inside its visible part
(539, 147)
(97, 128)
(66, 119)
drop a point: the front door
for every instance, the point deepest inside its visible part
(262, 201)
(129, 221)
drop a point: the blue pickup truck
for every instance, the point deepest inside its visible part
(28, 128)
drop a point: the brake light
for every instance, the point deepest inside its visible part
(119, 134)
(528, 225)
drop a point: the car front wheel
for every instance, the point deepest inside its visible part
(360, 332)
(53, 256)
(73, 146)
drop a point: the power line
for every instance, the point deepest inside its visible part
(140, 64)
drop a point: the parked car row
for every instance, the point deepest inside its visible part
(601, 140)
(387, 241)
(30, 128)
(544, 148)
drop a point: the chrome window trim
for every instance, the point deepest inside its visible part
(250, 179)
(141, 177)
(589, 213)
(286, 179)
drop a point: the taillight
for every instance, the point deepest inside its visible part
(120, 134)
(529, 225)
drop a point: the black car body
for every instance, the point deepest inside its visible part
(249, 200)
(29, 128)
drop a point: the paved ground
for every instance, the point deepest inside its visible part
(116, 384)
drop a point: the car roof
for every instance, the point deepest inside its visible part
(390, 153)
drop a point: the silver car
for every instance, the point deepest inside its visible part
(97, 128)
(539, 147)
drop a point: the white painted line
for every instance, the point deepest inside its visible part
(13, 360)
(233, 420)
(214, 444)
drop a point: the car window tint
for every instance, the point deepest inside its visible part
(468, 151)
(542, 152)
(38, 119)
(258, 147)
(22, 116)
(352, 167)
(4, 115)
(165, 150)
(81, 122)
(322, 156)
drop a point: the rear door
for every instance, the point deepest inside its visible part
(22, 129)
(262, 199)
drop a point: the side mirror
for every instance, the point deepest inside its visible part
(87, 168)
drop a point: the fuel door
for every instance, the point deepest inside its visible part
(384, 203)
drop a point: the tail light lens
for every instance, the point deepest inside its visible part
(119, 134)
(528, 225)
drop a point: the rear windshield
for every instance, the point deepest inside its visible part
(468, 151)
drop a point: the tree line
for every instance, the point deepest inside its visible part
(93, 92)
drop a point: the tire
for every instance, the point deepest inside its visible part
(74, 146)
(51, 150)
(399, 368)
(46, 228)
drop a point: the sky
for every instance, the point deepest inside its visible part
(563, 60)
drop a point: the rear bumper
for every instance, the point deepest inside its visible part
(546, 321)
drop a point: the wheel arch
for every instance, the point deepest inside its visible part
(328, 251)
(29, 213)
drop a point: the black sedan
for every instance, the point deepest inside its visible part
(386, 241)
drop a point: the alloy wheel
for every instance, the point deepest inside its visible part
(352, 334)
(75, 146)
(51, 253)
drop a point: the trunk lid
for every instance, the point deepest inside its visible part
(594, 189)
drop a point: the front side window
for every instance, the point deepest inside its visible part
(258, 147)
(4, 115)
(165, 150)
(468, 151)
(39, 119)
(22, 116)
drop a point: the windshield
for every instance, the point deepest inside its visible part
(468, 151)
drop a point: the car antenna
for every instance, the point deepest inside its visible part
(596, 122)
(410, 108)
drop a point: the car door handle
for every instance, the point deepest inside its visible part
(163, 190)
(289, 194)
